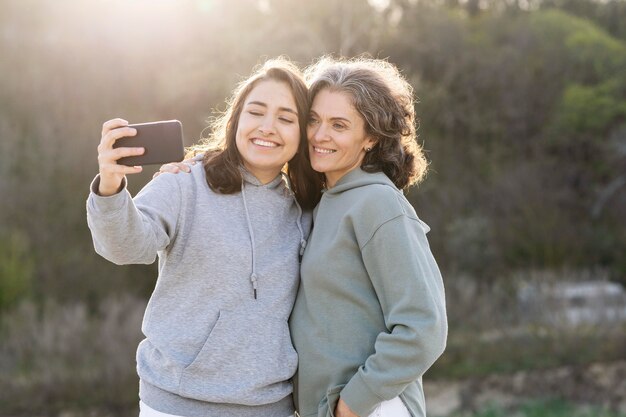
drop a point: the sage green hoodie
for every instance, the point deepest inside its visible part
(369, 318)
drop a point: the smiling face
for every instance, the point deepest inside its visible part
(268, 132)
(336, 134)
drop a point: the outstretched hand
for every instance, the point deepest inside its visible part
(111, 173)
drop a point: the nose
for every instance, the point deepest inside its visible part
(267, 126)
(317, 133)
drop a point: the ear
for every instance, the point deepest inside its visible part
(369, 143)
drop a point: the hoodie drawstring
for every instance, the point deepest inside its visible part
(253, 276)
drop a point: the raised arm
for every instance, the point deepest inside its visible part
(124, 230)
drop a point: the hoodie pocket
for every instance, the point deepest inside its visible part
(327, 406)
(247, 359)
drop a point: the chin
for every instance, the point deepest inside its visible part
(317, 167)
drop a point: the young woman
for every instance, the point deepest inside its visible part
(228, 237)
(369, 318)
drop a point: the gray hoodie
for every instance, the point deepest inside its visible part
(217, 340)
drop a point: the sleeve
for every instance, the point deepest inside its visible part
(132, 231)
(409, 286)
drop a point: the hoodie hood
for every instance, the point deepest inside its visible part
(249, 178)
(359, 178)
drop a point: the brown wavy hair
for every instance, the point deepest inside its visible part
(385, 100)
(222, 159)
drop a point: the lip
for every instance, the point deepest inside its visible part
(255, 141)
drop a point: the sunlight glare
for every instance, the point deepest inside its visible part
(379, 5)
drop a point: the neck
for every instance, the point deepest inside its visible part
(332, 180)
(265, 176)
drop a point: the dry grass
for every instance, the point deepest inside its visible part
(492, 331)
(63, 357)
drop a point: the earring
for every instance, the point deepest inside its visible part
(368, 149)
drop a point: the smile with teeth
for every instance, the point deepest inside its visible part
(264, 143)
(324, 151)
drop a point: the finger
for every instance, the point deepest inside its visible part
(168, 168)
(112, 155)
(116, 169)
(113, 124)
(183, 167)
(172, 169)
(112, 135)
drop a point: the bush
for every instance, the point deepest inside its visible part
(16, 269)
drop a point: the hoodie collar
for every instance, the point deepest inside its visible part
(358, 178)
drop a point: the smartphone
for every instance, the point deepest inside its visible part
(162, 141)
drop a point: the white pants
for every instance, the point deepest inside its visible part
(145, 411)
(392, 408)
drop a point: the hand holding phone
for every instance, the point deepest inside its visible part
(124, 148)
(162, 141)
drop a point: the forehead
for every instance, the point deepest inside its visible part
(332, 103)
(272, 93)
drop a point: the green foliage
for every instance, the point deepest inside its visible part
(524, 103)
(545, 408)
(609, 14)
(592, 109)
(16, 269)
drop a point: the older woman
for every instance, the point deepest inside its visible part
(369, 317)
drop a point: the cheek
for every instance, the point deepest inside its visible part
(239, 140)
(243, 125)
(294, 138)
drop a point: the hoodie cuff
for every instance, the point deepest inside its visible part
(359, 397)
(107, 204)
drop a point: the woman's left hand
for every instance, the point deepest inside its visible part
(342, 410)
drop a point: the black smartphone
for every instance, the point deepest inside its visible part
(162, 141)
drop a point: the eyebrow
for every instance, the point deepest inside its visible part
(260, 103)
(336, 118)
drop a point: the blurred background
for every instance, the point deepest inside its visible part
(522, 107)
